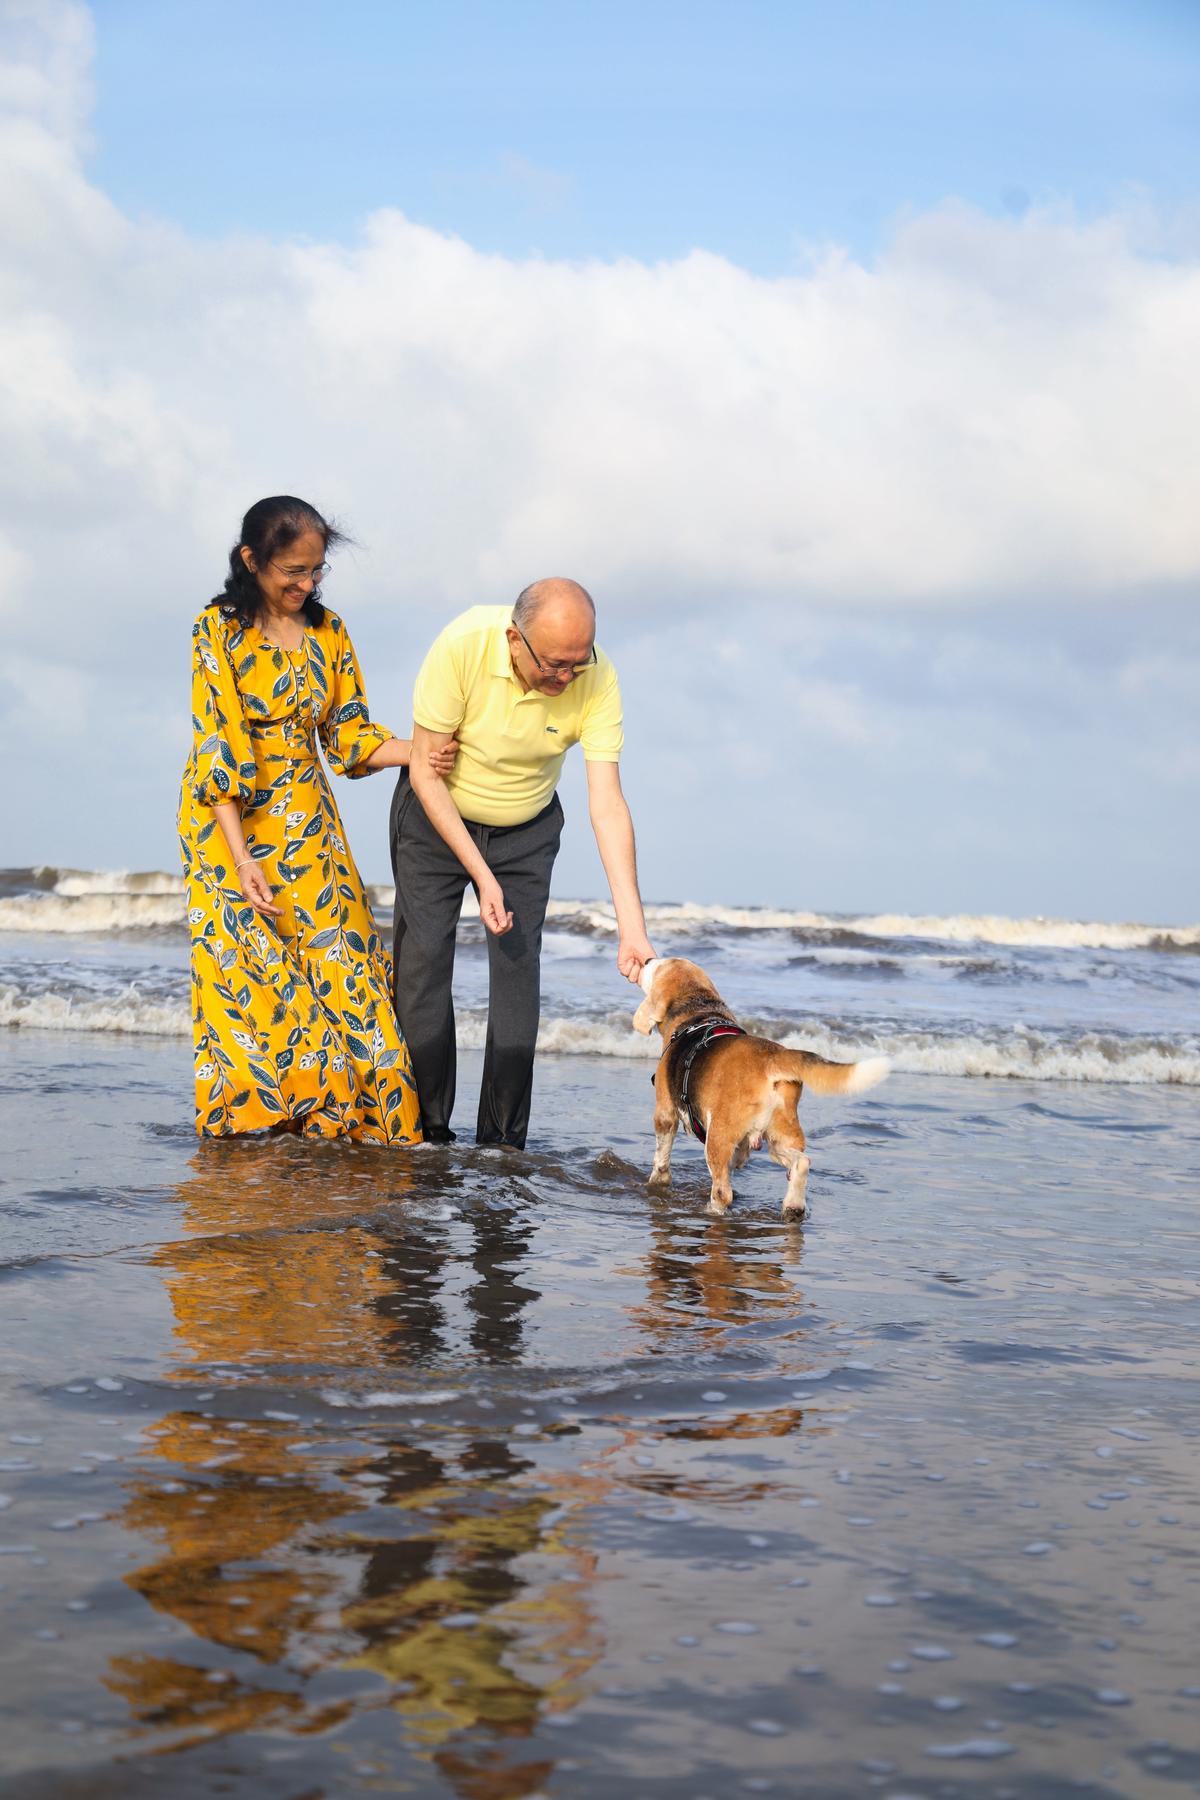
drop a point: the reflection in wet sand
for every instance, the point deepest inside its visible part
(364, 1548)
(728, 1273)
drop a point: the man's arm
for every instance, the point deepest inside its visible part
(613, 827)
(431, 790)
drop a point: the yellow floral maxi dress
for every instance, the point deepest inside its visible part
(292, 1016)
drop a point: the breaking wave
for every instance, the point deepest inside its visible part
(103, 902)
(99, 914)
(1016, 1054)
(125, 1012)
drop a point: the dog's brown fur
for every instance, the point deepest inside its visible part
(744, 1089)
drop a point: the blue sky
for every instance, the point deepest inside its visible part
(643, 130)
(849, 354)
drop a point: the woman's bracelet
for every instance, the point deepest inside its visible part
(242, 864)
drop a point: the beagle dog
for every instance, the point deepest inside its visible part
(731, 1088)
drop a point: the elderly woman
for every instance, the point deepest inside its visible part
(291, 1001)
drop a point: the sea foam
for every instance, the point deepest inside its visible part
(1015, 1054)
(97, 900)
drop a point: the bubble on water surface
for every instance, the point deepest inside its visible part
(385, 1397)
(971, 1747)
(997, 1640)
(931, 1652)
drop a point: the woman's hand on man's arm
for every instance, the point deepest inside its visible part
(396, 753)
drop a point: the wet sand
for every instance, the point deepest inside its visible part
(327, 1472)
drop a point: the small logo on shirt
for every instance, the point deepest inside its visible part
(553, 730)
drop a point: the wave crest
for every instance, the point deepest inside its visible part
(97, 900)
(1015, 1055)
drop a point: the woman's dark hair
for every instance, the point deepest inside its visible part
(269, 527)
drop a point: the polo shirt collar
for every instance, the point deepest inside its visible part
(499, 654)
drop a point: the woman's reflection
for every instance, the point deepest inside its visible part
(300, 1537)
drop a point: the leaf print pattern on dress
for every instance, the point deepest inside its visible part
(292, 1017)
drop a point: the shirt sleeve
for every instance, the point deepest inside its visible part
(440, 690)
(348, 736)
(602, 734)
(223, 757)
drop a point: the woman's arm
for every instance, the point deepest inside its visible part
(246, 872)
(396, 753)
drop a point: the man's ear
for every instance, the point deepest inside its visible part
(645, 1018)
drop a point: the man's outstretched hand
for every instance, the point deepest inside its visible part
(633, 953)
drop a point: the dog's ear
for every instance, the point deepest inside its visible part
(646, 1017)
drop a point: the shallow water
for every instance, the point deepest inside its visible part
(329, 1472)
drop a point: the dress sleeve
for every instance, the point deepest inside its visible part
(347, 735)
(223, 758)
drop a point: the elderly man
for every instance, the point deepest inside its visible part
(516, 687)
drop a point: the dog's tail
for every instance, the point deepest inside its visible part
(825, 1077)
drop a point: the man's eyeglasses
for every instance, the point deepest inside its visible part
(556, 669)
(318, 574)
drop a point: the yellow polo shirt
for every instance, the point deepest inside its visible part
(512, 743)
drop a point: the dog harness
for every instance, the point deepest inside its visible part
(686, 1045)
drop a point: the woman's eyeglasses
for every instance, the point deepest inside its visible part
(317, 575)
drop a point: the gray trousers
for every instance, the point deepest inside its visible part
(430, 882)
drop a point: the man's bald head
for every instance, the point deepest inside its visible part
(552, 634)
(554, 599)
